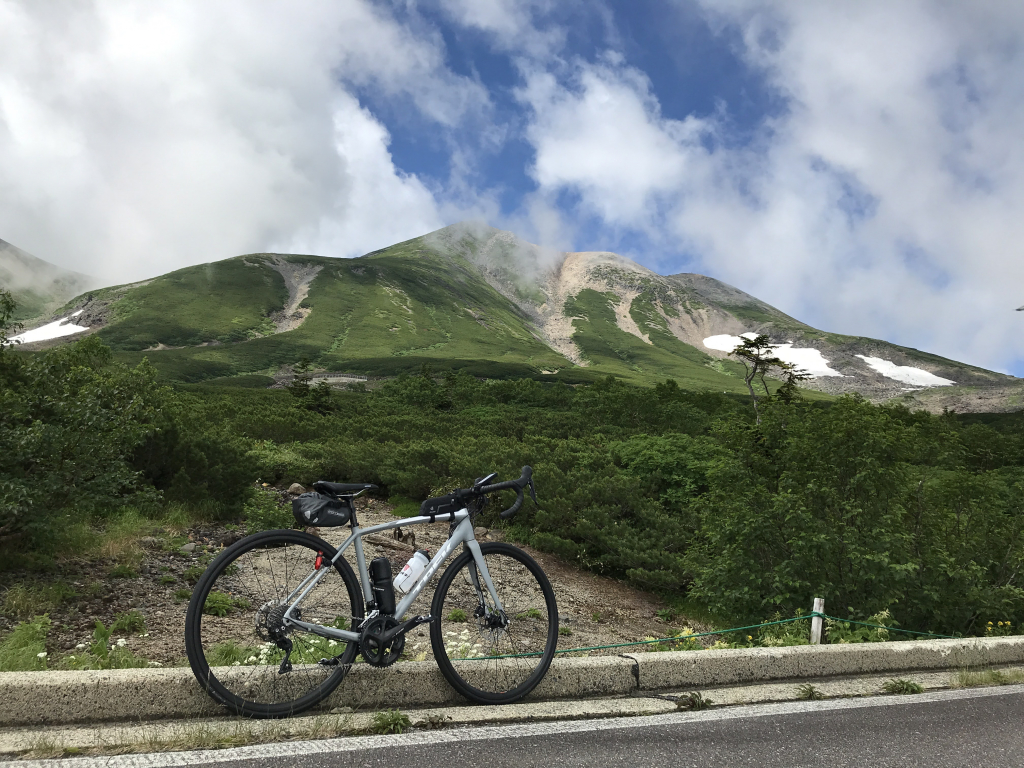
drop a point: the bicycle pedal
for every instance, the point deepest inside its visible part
(332, 662)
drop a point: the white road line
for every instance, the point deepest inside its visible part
(362, 743)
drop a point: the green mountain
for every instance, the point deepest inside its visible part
(38, 287)
(470, 297)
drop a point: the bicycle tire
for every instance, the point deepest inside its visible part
(464, 642)
(230, 653)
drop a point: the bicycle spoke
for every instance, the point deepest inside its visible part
(489, 655)
(241, 624)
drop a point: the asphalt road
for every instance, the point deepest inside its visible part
(976, 728)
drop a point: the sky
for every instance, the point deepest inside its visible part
(855, 164)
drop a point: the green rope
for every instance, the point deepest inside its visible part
(679, 638)
(891, 629)
(675, 639)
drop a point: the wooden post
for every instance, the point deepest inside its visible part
(819, 607)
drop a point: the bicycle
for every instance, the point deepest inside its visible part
(278, 618)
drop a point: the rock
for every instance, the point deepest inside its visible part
(480, 532)
(189, 548)
(295, 489)
(341, 710)
(150, 541)
(230, 538)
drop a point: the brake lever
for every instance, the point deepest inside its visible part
(533, 494)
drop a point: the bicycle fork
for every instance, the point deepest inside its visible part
(476, 570)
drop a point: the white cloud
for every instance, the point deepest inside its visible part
(511, 24)
(138, 137)
(883, 201)
(604, 137)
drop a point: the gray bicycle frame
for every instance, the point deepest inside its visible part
(463, 534)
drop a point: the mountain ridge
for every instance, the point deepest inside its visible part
(38, 286)
(480, 299)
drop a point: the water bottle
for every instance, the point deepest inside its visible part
(412, 571)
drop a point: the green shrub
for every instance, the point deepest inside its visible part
(264, 512)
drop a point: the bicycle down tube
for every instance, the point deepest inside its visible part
(463, 534)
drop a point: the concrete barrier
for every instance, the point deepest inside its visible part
(668, 669)
(60, 698)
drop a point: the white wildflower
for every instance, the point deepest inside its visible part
(41, 655)
(121, 642)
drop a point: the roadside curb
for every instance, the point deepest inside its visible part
(134, 695)
(222, 732)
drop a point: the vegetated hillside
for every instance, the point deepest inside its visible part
(470, 297)
(874, 508)
(37, 286)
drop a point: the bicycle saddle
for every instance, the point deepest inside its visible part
(337, 489)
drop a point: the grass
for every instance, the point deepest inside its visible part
(967, 678)
(693, 701)
(902, 686)
(230, 652)
(123, 572)
(219, 604)
(457, 615)
(530, 613)
(808, 692)
(192, 735)
(23, 601)
(24, 649)
(128, 623)
(390, 721)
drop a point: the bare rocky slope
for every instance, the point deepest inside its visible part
(695, 307)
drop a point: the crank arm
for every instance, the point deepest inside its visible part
(404, 627)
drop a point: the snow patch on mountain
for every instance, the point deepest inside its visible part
(808, 360)
(53, 330)
(905, 373)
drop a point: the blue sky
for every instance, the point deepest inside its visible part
(856, 164)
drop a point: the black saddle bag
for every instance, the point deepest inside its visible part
(322, 511)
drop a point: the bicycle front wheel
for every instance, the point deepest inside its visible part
(234, 628)
(488, 655)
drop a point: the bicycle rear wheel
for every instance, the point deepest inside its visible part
(234, 617)
(467, 633)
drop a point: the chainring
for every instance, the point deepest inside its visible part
(375, 651)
